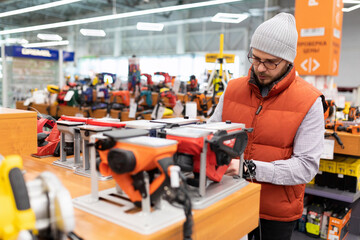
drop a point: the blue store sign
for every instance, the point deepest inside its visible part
(38, 53)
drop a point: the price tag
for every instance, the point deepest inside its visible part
(141, 101)
(68, 96)
(178, 108)
(158, 112)
(79, 115)
(27, 102)
(328, 152)
(53, 98)
(176, 86)
(117, 84)
(191, 109)
(133, 108)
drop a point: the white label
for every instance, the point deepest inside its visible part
(27, 101)
(337, 33)
(178, 108)
(312, 32)
(160, 112)
(117, 84)
(176, 86)
(328, 152)
(319, 172)
(79, 115)
(340, 175)
(141, 101)
(132, 110)
(100, 94)
(340, 101)
(68, 96)
(312, 3)
(191, 109)
(53, 98)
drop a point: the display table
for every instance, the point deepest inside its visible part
(17, 131)
(230, 218)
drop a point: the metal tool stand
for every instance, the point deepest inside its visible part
(113, 205)
(208, 192)
(69, 134)
(152, 127)
(86, 132)
(176, 121)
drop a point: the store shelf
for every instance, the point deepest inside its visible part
(332, 193)
(302, 236)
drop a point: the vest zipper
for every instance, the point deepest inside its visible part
(259, 109)
(254, 123)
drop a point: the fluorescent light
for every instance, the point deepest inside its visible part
(117, 16)
(46, 44)
(145, 26)
(15, 41)
(93, 32)
(38, 7)
(351, 1)
(229, 17)
(49, 37)
(351, 8)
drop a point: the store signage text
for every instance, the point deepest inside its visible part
(35, 52)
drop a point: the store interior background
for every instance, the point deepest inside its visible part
(178, 49)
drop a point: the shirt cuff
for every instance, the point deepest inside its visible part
(264, 171)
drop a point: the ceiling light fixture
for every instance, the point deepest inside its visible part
(49, 37)
(145, 26)
(93, 32)
(37, 7)
(229, 17)
(14, 41)
(117, 16)
(349, 9)
(46, 44)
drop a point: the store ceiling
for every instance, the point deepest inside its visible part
(197, 20)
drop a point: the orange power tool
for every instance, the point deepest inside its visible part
(127, 154)
(125, 96)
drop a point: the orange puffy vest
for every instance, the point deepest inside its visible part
(275, 119)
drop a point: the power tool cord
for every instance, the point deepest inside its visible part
(250, 171)
(181, 197)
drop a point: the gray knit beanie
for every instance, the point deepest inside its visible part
(277, 36)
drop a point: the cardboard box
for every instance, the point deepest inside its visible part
(352, 177)
(320, 178)
(339, 227)
(330, 173)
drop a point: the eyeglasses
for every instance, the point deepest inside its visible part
(268, 64)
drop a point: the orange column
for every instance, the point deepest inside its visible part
(319, 25)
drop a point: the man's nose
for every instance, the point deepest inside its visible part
(261, 67)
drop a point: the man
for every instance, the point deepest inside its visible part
(286, 114)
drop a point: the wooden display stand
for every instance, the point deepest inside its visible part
(229, 218)
(351, 144)
(18, 131)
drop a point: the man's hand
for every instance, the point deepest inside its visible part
(233, 168)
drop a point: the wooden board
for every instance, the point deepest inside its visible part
(18, 131)
(230, 218)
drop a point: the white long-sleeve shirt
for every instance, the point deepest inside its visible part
(308, 147)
